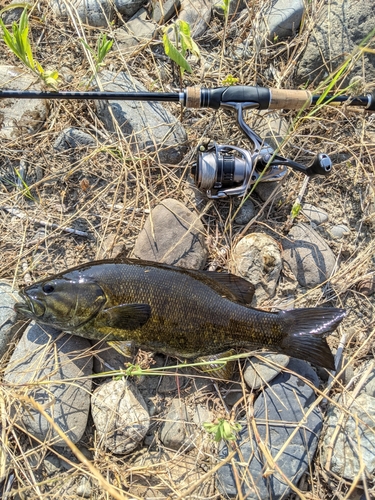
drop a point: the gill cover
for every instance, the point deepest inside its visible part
(67, 303)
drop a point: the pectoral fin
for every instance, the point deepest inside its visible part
(126, 316)
(215, 369)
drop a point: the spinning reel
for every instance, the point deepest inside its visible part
(222, 170)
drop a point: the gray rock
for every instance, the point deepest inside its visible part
(13, 15)
(128, 7)
(308, 256)
(265, 189)
(259, 373)
(245, 213)
(314, 214)
(72, 138)
(164, 11)
(120, 416)
(278, 410)
(176, 237)
(96, 13)
(257, 258)
(198, 14)
(369, 386)
(176, 427)
(282, 20)
(346, 445)
(20, 117)
(106, 358)
(84, 488)
(172, 383)
(339, 231)
(10, 328)
(270, 126)
(341, 27)
(135, 31)
(43, 354)
(149, 126)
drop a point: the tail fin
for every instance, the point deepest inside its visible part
(305, 329)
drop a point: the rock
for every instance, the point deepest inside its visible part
(10, 328)
(327, 47)
(282, 20)
(198, 14)
(270, 126)
(257, 258)
(135, 31)
(265, 189)
(120, 416)
(355, 436)
(128, 7)
(278, 410)
(339, 231)
(12, 15)
(163, 11)
(150, 126)
(84, 488)
(72, 138)
(53, 465)
(245, 213)
(367, 286)
(369, 386)
(96, 13)
(176, 237)
(170, 383)
(314, 214)
(259, 373)
(20, 117)
(176, 428)
(44, 354)
(106, 358)
(308, 256)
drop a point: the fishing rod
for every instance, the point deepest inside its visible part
(223, 170)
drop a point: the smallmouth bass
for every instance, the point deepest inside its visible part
(175, 311)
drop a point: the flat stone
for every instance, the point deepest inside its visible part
(72, 138)
(176, 428)
(265, 189)
(314, 214)
(84, 488)
(257, 258)
(128, 7)
(346, 445)
(19, 117)
(106, 358)
(327, 48)
(278, 410)
(10, 327)
(369, 385)
(135, 31)
(246, 212)
(148, 126)
(120, 416)
(44, 354)
(270, 126)
(339, 231)
(308, 256)
(235, 6)
(172, 235)
(13, 15)
(282, 20)
(163, 11)
(198, 14)
(96, 13)
(259, 373)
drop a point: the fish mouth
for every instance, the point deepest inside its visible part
(30, 307)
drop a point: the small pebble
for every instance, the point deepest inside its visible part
(84, 488)
(258, 372)
(314, 214)
(339, 231)
(245, 213)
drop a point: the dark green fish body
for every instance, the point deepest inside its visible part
(175, 311)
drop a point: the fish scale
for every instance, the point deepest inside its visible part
(175, 311)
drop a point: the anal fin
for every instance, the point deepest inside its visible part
(215, 369)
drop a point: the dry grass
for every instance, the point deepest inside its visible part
(107, 192)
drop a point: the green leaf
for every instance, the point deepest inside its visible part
(174, 54)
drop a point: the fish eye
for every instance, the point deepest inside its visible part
(48, 288)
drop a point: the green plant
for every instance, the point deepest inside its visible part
(222, 429)
(183, 43)
(18, 42)
(103, 46)
(230, 80)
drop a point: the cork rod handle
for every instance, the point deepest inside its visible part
(289, 99)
